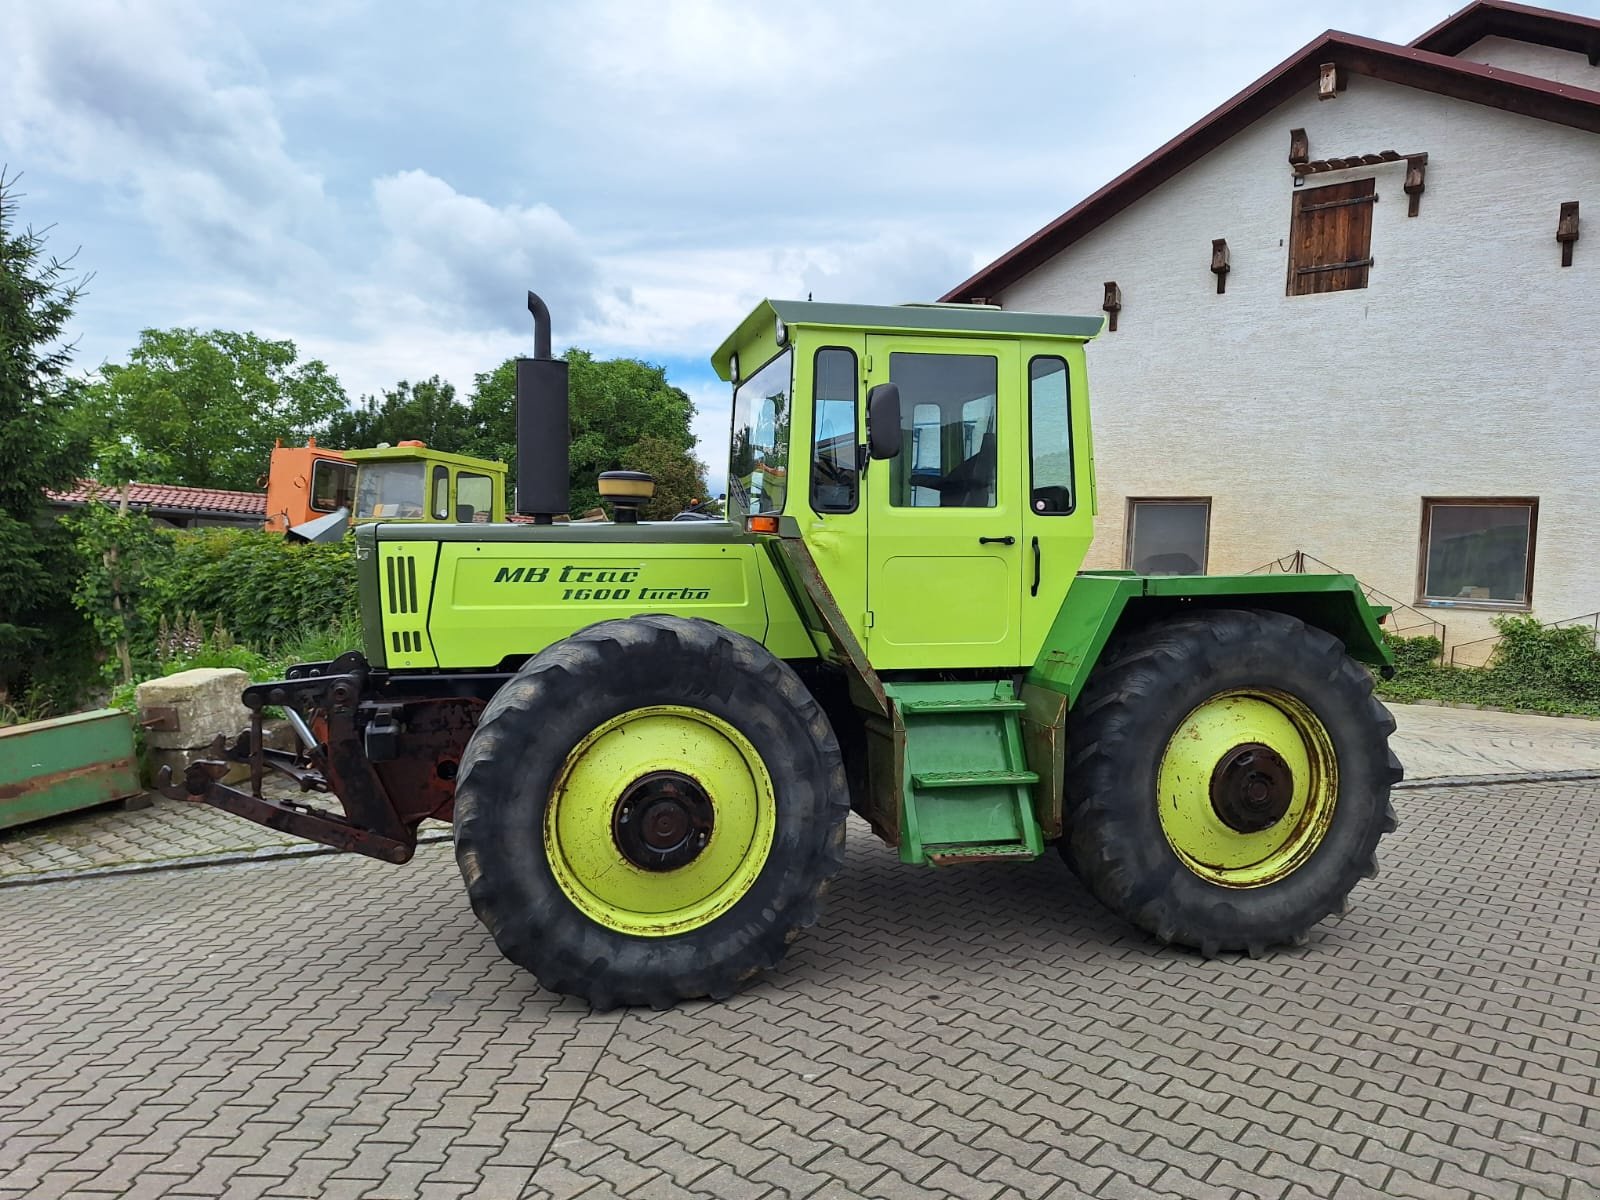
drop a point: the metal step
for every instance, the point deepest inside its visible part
(959, 856)
(955, 779)
(960, 706)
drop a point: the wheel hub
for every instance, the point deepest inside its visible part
(1251, 788)
(663, 821)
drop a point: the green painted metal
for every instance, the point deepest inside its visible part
(428, 459)
(59, 766)
(405, 590)
(367, 594)
(486, 466)
(654, 533)
(484, 600)
(1099, 601)
(966, 790)
(932, 319)
(994, 704)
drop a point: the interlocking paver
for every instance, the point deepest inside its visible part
(327, 1026)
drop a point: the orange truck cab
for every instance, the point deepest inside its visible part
(307, 482)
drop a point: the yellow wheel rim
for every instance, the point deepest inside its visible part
(1247, 787)
(661, 819)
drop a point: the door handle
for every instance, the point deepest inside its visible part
(1035, 590)
(1002, 541)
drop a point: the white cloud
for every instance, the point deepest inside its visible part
(382, 186)
(470, 263)
(168, 109)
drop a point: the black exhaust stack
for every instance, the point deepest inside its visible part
(544, 437)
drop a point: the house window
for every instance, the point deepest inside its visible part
(1168, 537)
(1479, 553)
(1330, 237)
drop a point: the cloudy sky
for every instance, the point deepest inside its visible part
(381, 182)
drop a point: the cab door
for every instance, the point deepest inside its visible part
(944, 517)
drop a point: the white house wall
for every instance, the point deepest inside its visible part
(1544, 62)
(1469, 366)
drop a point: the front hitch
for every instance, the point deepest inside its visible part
(330, 759)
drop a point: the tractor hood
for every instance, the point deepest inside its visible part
(476, 596)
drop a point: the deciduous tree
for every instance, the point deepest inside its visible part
(618, 406)
(204, 409)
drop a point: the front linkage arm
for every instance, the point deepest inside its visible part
(338, 763)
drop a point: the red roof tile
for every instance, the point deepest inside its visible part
(169, 497)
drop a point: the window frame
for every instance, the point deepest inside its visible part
(737, 496)
(910, 442)
(462, 475)
(1298, 203)
(1531, 503)
(1072, 442)
(433, 492)
(855, 427)
(1128, 527)
(337, 467)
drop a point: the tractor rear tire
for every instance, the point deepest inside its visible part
(648, 811)
(1227, 779)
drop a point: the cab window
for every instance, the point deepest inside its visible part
(441, 493)
(833, 431)
(758, 468)
(1049, 437)
(948, 453)
(389, 490)
(333, 485)
(474, 497)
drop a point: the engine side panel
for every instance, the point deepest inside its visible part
(477, 601)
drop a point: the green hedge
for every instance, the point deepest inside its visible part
(1533, 667)
(168, 598)
(261, 587)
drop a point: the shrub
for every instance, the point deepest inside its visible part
(1533, 667)
(259, 586)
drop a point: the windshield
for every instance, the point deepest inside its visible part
(389, 490)
(759, 450)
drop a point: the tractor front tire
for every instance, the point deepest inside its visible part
(1228, 778)
(648, 811)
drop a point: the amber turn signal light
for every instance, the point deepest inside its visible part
(761, 524)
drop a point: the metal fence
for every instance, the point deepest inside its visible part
(1403, 619)
(1477, 653)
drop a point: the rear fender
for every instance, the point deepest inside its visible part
(1100, 604)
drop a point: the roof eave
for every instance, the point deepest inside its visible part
(1527, 95)
(1519, 22)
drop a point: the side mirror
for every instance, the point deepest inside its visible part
(883, 421)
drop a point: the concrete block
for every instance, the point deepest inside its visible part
(205, 701)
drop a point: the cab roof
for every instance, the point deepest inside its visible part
(977, 320)
(423, 454)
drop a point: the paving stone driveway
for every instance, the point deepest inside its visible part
(334, 1027)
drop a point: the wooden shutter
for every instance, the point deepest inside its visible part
(1330, 237)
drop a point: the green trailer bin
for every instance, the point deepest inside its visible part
(62, 765)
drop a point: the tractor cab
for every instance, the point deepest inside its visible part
(410, 482)
(936, 460)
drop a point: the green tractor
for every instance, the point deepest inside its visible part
(649, 735)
